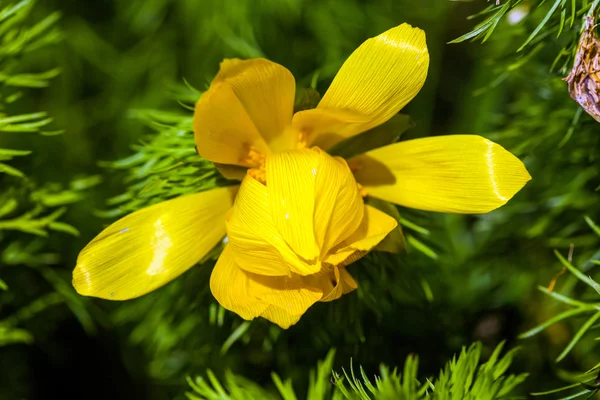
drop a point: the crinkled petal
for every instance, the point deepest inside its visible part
(339, 207)
(282, 300)
(347, 281)
(373, 229)
(223, 130)
(465, 174)
(253, 236)
(280, 317)
(338, 282)
(334, 289)
(293, 294)
(152, 246)
(309, 205)
(291, 180)
(230, 286)
(378, 79)
(315, 203)
(266, 91)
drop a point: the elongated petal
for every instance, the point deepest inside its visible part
(152, 246)
(373, 229)
(457, 173)
(382, 75)
(230, 286)
(253, 236)
(378, 79)
(266, 91)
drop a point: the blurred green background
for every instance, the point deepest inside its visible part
(462, 279)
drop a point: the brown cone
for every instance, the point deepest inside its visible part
(584, 79)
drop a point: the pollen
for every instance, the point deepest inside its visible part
(256, 161)
(253, 158)
(259, 174)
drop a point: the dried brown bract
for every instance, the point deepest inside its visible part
(584, 79)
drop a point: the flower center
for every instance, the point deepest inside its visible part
(254, 158)
(256, 161)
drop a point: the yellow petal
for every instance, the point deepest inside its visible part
(309, 205)
(378, 79)
(324, 127)
(315, 202)
(282, 300)
(223, 130)
(259, 247)
(229, 284)
(375, 226)
(373, 229)
(339, 207)
(347, 281)
(266, 91)
(231, 172)
(394, 242)
(337, 282)
(280, 317)
(333, 292)
(457, 173)
(381, 76)
(152, 246)
(294, 294)
(291, 180)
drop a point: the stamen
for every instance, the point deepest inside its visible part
(256, 161)
(259, 174)
(254, 158)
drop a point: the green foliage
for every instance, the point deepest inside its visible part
(564, 188)
(16, 39)
(559, 18)
(164, 165)
(461, 378)
(589, 308)
(26, 208)
(463, 278)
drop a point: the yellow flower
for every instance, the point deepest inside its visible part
(289, 240)
(299, 217)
